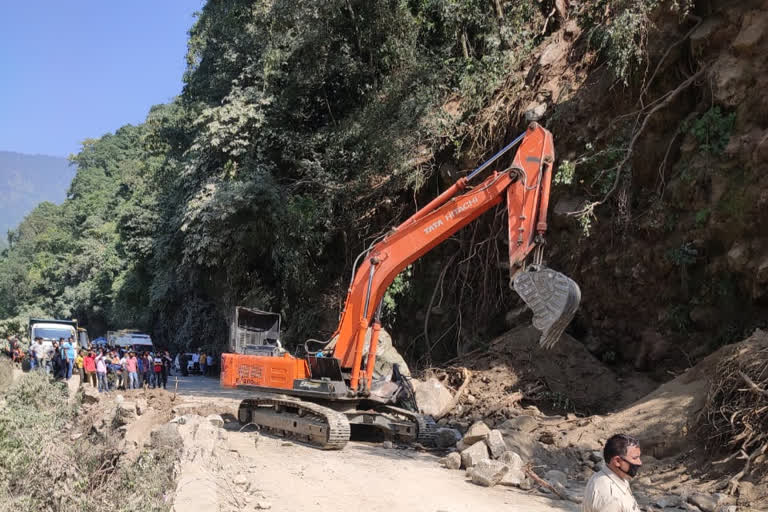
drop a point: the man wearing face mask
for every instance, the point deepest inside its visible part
(608, 489)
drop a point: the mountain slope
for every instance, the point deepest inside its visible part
(25, 181)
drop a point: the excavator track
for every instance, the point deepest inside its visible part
(308, 422)
(426, 428)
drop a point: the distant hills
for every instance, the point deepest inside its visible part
(25, 181)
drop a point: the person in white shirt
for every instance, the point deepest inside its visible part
(608, 490)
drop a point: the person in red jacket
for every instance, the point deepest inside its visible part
(89, 364)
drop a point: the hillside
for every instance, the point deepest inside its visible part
(288, 153)
(25, 181)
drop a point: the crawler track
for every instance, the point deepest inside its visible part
(306, 421)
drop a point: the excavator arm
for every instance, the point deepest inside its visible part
(526, 184)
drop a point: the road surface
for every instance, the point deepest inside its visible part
(291, 477)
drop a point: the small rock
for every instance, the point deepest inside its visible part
(523, 423)
(474, 454)
(495, 443)
(704, 501)
(512, 459)
(215, 420)
(447, 437)
(387, 445)
(432, 396)
(729, 508)
(547, 437)
(668, 501)
(125, 413)
(513, 478)
(488, 472)
(263, 505)
(240, 479)
(554, 476)
(119, 399)
(476, 432)
(596, 456)
(288, 443)
(452, 461)
(535, 111)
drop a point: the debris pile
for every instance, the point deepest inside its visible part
(736, 410)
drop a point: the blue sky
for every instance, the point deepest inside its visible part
(77, 69)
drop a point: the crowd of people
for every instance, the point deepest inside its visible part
(104, 368)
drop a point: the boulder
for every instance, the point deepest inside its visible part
(477, 432)
(487, 472)
(452, 461)
(556, 477)
(520, 443)
(166, 438)
(447, 437)
(752, 30)
(738, 257)
(432, 397)
(535, 111)
(215, 420)
(704, 501)
(515, 477)
(522, 423)
(473, 455)
(91, 395)
(125, 413)
(496, 444)
(512, 460)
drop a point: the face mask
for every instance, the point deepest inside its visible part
(633, 468)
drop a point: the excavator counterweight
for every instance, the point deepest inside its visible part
(318, 397)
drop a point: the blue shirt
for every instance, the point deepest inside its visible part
(68, 349)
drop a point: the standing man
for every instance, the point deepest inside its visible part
(40, 353)
(131, 367)
(68, 355)
(608, 490)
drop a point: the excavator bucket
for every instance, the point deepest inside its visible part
(553, 297)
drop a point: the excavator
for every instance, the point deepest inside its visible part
(318, 397)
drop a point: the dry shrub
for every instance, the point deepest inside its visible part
(47, 464)
(736, 410)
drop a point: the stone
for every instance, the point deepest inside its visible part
(240, 479)
(738, 257)
(555, 476)
(596, 456)
(522, 423)
(461, 446)
(447, 437)
(119, 399)
(387, 445)
(477, 432)
(141, 406)
(166, 438)
(496, 444)
(521, 443)
(553, 52)
(452, 461)
(515, 477)
(488, 472)
(752, 30)
(474, 454)
(512, 459)
(432, 397)
(535, 111)
(668, 501)
(125, 413)
(729, 76)
(263, 505)
(704, 501)
(215, 420)
(91, 395)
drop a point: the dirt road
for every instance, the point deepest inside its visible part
(289, 477)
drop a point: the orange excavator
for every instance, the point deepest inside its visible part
(317, 397)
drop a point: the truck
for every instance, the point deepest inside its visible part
(130, 339)
(51, 330)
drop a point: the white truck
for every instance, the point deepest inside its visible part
(131, 340)
(51, 330)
